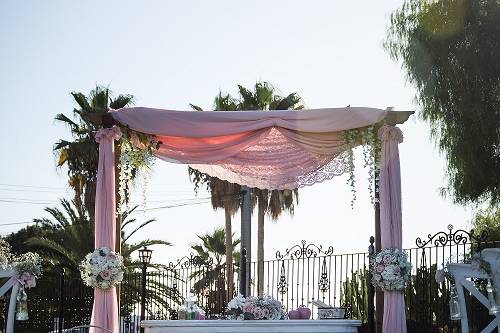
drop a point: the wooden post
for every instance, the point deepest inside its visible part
(379, 295)
(371, 290)
(118, 231)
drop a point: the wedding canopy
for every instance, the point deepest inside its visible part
(269, 150)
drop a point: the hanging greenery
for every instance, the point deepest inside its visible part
(367, 138)
(136, 158)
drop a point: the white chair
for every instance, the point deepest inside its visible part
(463, 272)
(14, 285)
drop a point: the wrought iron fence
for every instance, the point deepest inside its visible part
(297, 276)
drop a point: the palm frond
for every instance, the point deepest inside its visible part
(142, 225)
(195, 107)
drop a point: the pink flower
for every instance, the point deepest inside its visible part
(397, 269)
(247, 307)
(28, 280)
(386, 259)
(106, 275)
(111, 256)
(380, 268)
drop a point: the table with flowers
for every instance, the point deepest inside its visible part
(248, 315)
(251, 326)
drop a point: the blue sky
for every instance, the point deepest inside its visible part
(172, 53)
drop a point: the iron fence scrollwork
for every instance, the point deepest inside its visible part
(457, 237)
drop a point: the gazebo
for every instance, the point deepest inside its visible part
(267, 150)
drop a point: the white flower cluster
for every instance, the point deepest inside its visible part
(102, 268)
(5, 254)
(135, 158)
(256, 308)
(28, 266)
(391, 269)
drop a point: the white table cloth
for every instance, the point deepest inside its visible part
(251, 326)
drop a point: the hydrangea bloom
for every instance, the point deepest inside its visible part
(102, 268)
(390, 269)
(255, 308)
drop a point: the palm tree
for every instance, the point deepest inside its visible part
(69, 236)
(264, 97)
(224, 195)
(213, 247)
(212, 250)
(81, 155)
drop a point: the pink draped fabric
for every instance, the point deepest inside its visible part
(272, 149)
(105, 310)
(391, 221)
(196, 124)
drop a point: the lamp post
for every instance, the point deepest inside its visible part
(145, 258)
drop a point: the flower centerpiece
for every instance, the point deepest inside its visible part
(28, 267)
(391, 269)
(256, 308)
(102, 268)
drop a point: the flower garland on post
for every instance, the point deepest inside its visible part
(136, 157)
(367, 137)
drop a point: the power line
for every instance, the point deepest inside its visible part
(29, 202)
(66, 188)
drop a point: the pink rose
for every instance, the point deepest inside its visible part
(111, 256)
(106, 275)
(247, 307)
(397, 269)
(386, 259)
(28, 280)
(380, 268)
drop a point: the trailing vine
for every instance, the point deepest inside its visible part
(367, 138)
(136, 159)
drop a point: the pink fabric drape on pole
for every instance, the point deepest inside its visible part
(394, 320)
(105, 310)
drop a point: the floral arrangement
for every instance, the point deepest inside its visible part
(28, 266)
(136, 157)
(102, 268)
(391, 269)
(256, 308)
(5, 254)
(367, 137)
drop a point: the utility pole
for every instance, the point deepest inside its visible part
(246, 238)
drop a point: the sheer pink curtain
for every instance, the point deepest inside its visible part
(391, 221)
(105, 310)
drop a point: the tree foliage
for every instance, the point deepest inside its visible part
(450, 50)
(81, 155)
(488, 220)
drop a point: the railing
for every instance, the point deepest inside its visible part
(297, 276)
